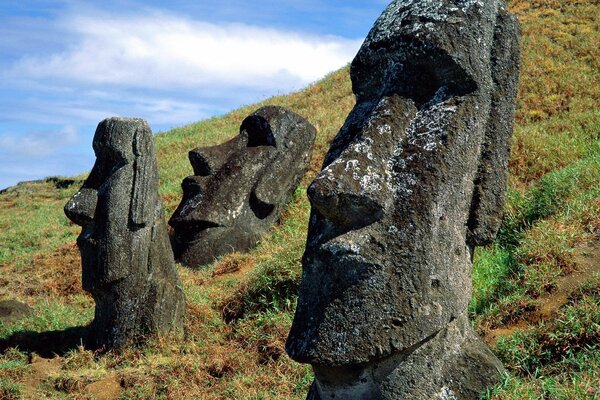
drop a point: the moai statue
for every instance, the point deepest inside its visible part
(413, 181)
(127, 260)
(240, 187)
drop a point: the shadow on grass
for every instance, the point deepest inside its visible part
(48, 344)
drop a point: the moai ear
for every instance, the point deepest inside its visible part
(286, 139)
(278, 182)
(490, 186)
(266, 194)
(145, 178)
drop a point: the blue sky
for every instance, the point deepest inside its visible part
(66, 65)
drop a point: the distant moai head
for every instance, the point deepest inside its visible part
(415, 178)
(119, 197)
(127, 261)
(240, 187)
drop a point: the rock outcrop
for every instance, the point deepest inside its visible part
(413, 181)
(127, 261)
(240, 187)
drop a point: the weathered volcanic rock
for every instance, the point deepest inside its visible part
(413, 181)
(127, 261)
(240, 187)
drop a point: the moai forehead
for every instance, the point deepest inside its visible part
(122, 140)
(418, 47)
(239, 187)
(387, 262)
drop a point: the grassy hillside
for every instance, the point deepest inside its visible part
(536, 289)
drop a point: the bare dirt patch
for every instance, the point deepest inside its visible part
(588, 264)
(12, 310)
(40, 370)
(234, 266)
(492, 335)
(108, 388)
(43, 369)
(587, 261)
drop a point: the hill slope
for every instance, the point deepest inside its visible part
(537, 289)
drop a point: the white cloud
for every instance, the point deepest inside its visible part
(89, 64)
(165, 51)
(38, 144)
(165, 111)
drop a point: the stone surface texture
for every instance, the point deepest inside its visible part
(127, 261)
(413, 181)
(240, 187)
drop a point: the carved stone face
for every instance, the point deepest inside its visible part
(115, 201)
(127, 261)
(239, 187)
(388, 254)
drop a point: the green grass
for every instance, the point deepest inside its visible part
(492, 268)
(554, 344)
(51, 315)
(29, 222)
(557, 359)
(10, 390)
(539, 235)
(552, 212)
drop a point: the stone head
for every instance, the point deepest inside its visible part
(118, 199)
(239, 187)
(388, 253)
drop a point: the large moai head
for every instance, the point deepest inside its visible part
(127, 261)
(415, 178)
(240, 187)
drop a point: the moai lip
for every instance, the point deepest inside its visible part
(240, 187)
(127, 261)
(413, 181)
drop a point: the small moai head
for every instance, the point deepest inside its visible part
(388, 254)
(118, 198)
(239, 187)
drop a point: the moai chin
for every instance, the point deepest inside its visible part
(127, 261)
(413, 181)
(240, 187)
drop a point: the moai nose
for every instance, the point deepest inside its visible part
(340, 198)
(355, 189)
(82, 206)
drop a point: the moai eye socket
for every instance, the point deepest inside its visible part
(255, 131)
(201, 164)
(259, 131)
(208, 161)
(427, 76)
(433, 79)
